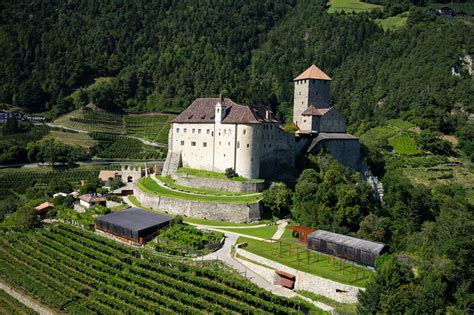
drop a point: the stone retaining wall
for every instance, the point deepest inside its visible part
(336, 291)
(224, 211)
(216, 183)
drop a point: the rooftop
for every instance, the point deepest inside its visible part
(135, 219)
(92, 198)
(368, 246)
(313, 72)
(44, 206)
(313, 111)
(202, 110)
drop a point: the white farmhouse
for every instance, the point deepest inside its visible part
(216, 133)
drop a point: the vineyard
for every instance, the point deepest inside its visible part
(9, 305)
(75, 271)
(152, 127)
(19, 180)
(112, 146)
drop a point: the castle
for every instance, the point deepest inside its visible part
(216, 133)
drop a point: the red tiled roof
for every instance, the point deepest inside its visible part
(313, 111)
(313, 72)
(104, 175)
(202, 111)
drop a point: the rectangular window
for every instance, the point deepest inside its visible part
(182, 142)
(193, 143)
(207, 131)
(238, 144)
(184, 130)
(204, 144)
(199, 131)
(194, 130)
(248, 145)
(177, 130)
(244, 131)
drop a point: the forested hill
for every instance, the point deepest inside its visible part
(162, 54)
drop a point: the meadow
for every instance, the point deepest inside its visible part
(350, 6)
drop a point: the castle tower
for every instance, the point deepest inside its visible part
(220, 110)
(312, 89)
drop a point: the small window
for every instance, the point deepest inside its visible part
(204, 144)
(304, 120)
(184, 130)
(193, 143)
(218, 110)
(225, 131)
(269, 145)
(238, 144)
(248, 145)
(199, 131)
(219, 133)
(212, 134)
(219, 143)
(194, 130)
(300, 93)
(207, 131)
(182, 142)
(177, 130)
(228, 143)
(264, 146)
(244, 131)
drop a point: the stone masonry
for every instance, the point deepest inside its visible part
(217, 184)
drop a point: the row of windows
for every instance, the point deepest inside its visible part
(204, 144)
(208, 131)
(312, 81)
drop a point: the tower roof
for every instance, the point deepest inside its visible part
(313, 72)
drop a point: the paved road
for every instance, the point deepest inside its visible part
(24, 299)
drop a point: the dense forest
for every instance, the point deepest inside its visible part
(160, 55)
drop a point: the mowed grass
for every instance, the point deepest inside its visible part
(72, 138)
(393, 22)
(319, 264)
(350, 6)
(404, 144)
(211, 174)
(265, 232)
(150, 186)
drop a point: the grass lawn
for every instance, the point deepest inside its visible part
(340, 308)
(351, 5)
(265, 232)
(211, 174)
(319, 265)
(170, 182)
(150, 186)
(393, 22)
(404, 144)
(72, 138)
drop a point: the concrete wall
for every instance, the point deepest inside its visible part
(306, 281)
(217, 184)
(332, 121)
(224, 211)
(346, 152)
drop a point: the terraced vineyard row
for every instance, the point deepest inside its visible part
(150, 127)
(76, 271)
(9, 305)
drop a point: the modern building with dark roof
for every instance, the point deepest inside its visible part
(350, 248)
(217, 133)
(134, 225)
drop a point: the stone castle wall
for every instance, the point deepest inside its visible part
(217, 184)
(336, 291)
(224, 211)
(346, 152)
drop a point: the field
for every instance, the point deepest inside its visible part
(404, 144)
(315, 263)
(262, 232)
(113, 146)
(75, 271)
(150, 186)
(11, 306)
(72, 138)
(18, 180)
(349, 6)
(393, 22)
(339, 308)
(152, 127)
